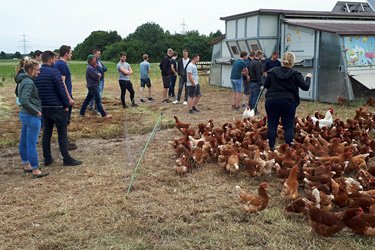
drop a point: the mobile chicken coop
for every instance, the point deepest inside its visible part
(337, 47)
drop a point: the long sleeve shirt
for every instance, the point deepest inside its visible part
(92, 77)
(51, 88)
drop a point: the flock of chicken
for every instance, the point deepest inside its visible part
(322, 156)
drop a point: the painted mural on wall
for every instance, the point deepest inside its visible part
(360, 51)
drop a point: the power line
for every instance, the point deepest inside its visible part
(183, 24)
(24, 43)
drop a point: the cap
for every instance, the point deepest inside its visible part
(89, 57)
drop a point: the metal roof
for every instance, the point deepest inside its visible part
(324, 14)
(340, 28)
(216, 40)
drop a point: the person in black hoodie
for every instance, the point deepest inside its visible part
(165, 67)
(282, 97)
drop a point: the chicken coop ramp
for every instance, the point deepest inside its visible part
(364, 77)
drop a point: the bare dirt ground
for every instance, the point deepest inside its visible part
(84, 207)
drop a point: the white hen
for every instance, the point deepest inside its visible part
(326, 121)
(248, 113)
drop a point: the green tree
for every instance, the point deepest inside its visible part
(17, 55)
(96, 40)
(215, 34)
(152, 37)
(3, 55)
(132, 48)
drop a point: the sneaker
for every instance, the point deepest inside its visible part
(164, 101)
(151, 99)
(49, 162)
(72, 162)
(134, 105)
(184, 103)
(196, 110)
(173, 96)
(72, 146)
(141, 101)
(243, 105)
(233, 107)
(98, 113)
(35, 176)
(175, 102)
(191, 111)
(90, 109)
(125, 107)
(168, 101)
(107, 116)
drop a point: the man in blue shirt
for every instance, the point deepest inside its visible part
(239, 69)
(101, 69)
(272, 63)
(65, 56)
(55, 104)
(145, 79)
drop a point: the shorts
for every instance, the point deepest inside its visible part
(194, 91)
(246, 87)
(146, 82)
(166, 81)
(236, 85)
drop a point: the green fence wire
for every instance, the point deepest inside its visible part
(143, 152)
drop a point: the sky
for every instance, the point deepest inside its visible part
(48, 24)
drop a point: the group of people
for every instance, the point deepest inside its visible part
(44, 93)
(185, 68)
(188, 78)
(282, 84)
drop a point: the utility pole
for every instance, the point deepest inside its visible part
(183, 24)
(24, 42)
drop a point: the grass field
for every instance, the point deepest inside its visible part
(85, 207)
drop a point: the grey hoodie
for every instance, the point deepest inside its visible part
(28, 95)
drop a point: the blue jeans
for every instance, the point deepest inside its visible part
(93, 93)
(173, 84)
(286, 109)
(101, 87)
(29, 138)
(254, 93)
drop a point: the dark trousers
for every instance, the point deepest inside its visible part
(93, 93)
(126, 85)
(181, 85)
(286, 109)
(254, 93)
(58, 117)
(173, 84)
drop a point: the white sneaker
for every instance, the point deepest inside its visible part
(175, 102)
(185, 103)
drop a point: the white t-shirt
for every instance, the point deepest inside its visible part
(184, 62)
(192, 68)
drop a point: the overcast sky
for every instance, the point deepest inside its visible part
(48, 24)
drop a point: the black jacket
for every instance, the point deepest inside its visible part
(165, 66)
(181, 71)
(283, 82)
(255, 71)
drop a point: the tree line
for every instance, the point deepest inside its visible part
(150, 39)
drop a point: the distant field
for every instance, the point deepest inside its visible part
(8, 70)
